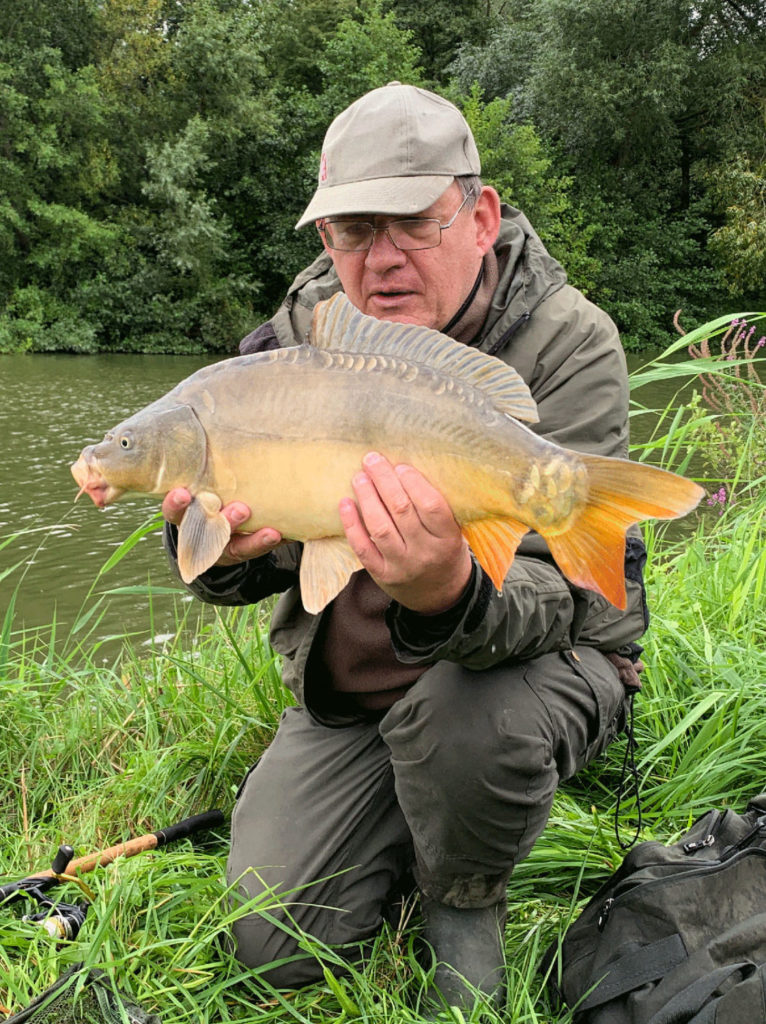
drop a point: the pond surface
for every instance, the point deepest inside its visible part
(53, 405)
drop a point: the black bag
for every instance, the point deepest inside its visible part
(99, 1002)
(677, 935)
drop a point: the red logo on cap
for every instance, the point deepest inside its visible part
(323, 168)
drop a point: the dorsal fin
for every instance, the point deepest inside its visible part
(338, 325)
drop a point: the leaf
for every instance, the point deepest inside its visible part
(339, 990)
(152, 526)
(703, 705)
(85, 618)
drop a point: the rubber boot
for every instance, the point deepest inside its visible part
(469, 946)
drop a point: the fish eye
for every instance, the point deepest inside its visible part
(125, 441)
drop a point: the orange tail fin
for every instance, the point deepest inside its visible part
(592, 552)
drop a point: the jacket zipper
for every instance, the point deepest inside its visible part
(505, 338)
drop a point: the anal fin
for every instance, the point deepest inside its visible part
(203, 534)
(494, 542)
(326, 567)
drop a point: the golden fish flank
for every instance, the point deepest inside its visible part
(231, 431)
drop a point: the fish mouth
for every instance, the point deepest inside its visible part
(93, 483)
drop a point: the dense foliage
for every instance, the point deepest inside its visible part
(155, 155)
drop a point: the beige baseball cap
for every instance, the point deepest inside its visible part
(395, 150)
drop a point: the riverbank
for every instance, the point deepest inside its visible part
(94, 752)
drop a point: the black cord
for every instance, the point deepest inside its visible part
(629, 768)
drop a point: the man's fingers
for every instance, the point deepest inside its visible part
(358, 537)
(431, 506)
(383, 509)
(412, 502)
(237, 513)
(243, 546)
(389, 486)
(390, 514)
(175, 503)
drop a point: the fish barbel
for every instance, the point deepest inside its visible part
(285, 431)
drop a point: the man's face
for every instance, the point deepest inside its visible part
(424, 286)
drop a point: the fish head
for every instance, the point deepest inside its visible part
(151, 452)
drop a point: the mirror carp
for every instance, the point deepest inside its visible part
(285, 431)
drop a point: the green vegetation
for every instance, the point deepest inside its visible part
(94, 752)
(155, 156)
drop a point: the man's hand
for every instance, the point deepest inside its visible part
(404, 533)
(241, 546)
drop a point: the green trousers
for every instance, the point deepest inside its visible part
(454, 784)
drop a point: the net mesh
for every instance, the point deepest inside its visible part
(98, 1002)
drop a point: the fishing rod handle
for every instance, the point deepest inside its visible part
(208, 819)
(197, 822)
(81, 865)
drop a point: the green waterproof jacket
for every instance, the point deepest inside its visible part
(569, 353)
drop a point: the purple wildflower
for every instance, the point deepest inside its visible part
(719, 498)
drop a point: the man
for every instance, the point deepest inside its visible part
(436, 716)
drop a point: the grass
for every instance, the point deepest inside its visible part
(93, 753)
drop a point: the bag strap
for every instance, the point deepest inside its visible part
(692, 998)
(758, 803)
(648, 963)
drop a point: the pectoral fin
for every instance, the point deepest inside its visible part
(202, 535)
(494, 542)
(326, 566)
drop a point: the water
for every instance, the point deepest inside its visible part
(53, 405)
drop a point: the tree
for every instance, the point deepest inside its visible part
(739, 245)
(51, 170)
(516, 162)
(639, 100)
(365, 50)
(438, 28)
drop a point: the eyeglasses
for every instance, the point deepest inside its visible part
(408, 234)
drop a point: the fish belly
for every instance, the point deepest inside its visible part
(295, 486)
